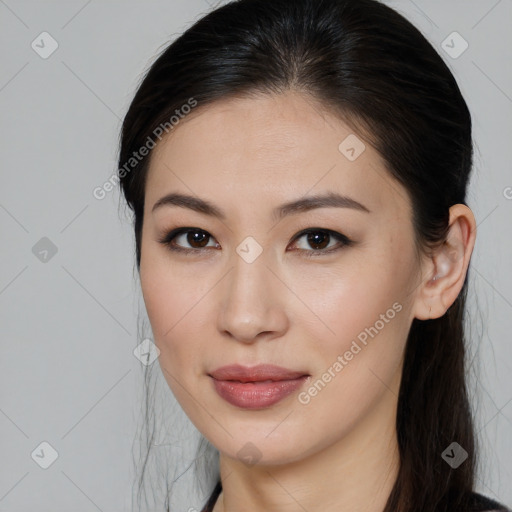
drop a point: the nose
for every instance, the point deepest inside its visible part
(253, 302)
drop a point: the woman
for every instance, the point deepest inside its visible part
(298, 171)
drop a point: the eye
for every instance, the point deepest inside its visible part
(319, 239)
(198, 239)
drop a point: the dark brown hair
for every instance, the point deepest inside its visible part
(366, 62)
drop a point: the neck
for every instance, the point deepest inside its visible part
(354, 474)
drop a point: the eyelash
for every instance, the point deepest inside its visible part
(343, 240)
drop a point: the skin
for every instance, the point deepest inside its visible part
(247, 156)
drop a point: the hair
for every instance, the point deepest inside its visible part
(368, 64)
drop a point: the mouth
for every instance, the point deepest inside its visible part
(259, 373)
(256, 387)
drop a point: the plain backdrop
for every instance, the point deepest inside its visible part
(69, 297)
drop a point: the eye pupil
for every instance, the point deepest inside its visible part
(318, 238)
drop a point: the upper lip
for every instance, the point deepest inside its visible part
(257, 373)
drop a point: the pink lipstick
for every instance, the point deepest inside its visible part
(256, 387)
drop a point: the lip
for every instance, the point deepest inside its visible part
(256, 387)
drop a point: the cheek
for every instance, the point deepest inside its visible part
(345, 300)
(176, 303)
(171, 312)
(363, 317)
(360, 363)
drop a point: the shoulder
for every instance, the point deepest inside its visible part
(478, 502)
(481, 503)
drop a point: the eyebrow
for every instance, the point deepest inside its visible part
(328, 200)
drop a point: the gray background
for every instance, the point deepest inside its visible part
(69, 323)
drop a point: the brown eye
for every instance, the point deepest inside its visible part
(319, 239)
(196, 238)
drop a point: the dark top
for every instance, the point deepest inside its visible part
(479, 503)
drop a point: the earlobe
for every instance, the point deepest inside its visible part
(447, 267)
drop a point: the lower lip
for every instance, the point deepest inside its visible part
(256, 395)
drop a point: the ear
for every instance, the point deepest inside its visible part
(446, 268)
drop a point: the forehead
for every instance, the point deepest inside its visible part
(271, 147)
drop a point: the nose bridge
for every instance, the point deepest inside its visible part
(251, 303)
(250, 273)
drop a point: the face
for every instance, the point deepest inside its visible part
(241, 284)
